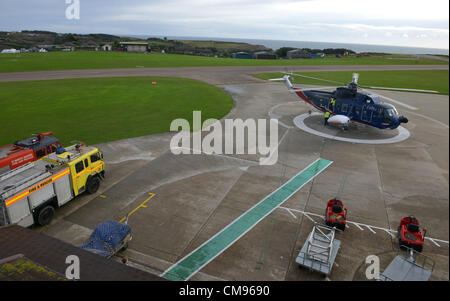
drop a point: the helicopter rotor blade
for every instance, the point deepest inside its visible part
(316, 78)
(392, 100)
(308, 89)
(355, 78)
(400, 89)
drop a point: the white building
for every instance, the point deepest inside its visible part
(12, 50)
(107, 47)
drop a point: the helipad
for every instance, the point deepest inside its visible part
(337, 133)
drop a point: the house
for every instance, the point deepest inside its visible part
(107, 47)
(141, 47)
(12, 50)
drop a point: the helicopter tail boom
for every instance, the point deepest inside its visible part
(286, 79)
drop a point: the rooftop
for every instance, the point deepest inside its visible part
(41, 257)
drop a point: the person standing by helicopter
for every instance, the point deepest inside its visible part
(327, 115)
(330, 109)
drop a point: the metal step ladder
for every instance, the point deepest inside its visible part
(320, 250)
(408, 265)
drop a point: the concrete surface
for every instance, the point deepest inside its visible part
(198, 195)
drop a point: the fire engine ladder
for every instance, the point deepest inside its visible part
(320, 250)
(409, 265)
(21, 175)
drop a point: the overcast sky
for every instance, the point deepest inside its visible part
(386, 22)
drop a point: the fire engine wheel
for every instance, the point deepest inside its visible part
(46, 215)
(93, 184)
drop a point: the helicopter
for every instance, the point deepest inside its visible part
(350, 105)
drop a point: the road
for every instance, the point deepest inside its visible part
(211, 75)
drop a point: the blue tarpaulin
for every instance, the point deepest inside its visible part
(106, 238)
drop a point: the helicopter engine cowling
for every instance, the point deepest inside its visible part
(341, 120)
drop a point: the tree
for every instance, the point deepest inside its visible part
(282, 52)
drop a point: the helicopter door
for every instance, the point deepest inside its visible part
(366, 114)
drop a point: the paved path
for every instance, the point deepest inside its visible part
(211, 75)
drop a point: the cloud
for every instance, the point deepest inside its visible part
(345, 21)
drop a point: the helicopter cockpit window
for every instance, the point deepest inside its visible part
(389, 114)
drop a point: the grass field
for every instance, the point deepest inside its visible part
(437, 80)
(103, 60)
(104, 109)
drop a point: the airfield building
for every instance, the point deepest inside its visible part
(264, 55)
(135, 46)
(298, 54)
(242, 55)
(107, 47)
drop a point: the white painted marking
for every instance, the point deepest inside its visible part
(252, 163)
(432, 240)
(439, 240)
(402, 135)
(371, 230)
(358, 226)
(223, 250)
(370, 227)
(293, 215)
(429, 118)
(275, 116)
(310, 218)
(389, 232)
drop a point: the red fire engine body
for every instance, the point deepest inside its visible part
(27, 150)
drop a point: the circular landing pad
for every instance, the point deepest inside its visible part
(313, 124)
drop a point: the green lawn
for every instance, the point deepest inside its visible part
(104, 109)
(436, 80)
(99, 60)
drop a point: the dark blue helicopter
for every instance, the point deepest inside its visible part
(351, 106)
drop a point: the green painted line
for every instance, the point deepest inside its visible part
(197, 259)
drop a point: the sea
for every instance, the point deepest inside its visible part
(276, 44)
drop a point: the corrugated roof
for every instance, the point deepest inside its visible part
(134, 43)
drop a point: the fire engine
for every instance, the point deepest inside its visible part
(30, 193)
(27, 150)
